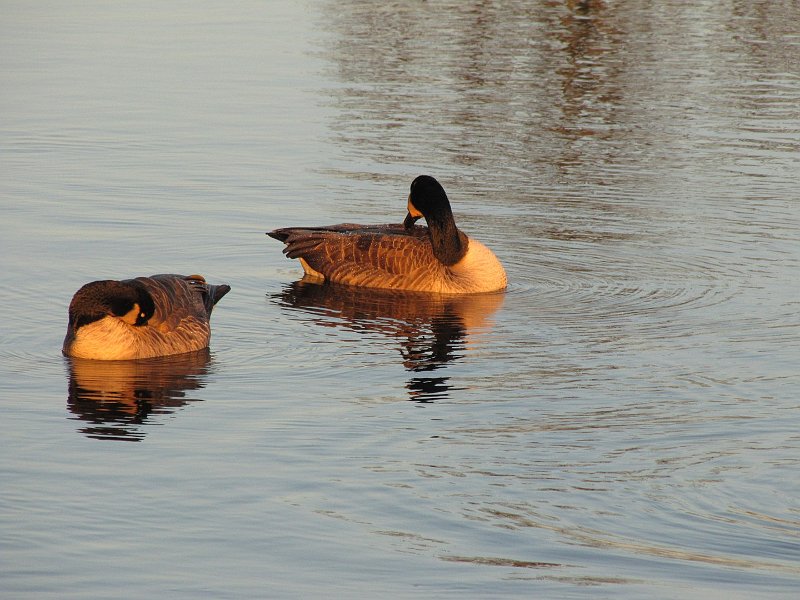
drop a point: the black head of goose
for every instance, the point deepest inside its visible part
(438, 258)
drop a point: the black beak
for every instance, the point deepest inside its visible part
(409, 221)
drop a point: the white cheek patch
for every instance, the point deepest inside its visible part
(412, 210)
(132, 315)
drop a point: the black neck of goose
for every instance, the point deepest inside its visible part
(449, 244)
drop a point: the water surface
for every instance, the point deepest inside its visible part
(621, 423)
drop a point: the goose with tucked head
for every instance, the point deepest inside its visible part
(438, 258)
(141, 318)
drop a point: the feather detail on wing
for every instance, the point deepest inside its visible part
(385, 256)
(182, 309)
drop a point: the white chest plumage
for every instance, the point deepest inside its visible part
(479, 271)
(110, 338)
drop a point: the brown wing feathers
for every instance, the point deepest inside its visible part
(359, 255)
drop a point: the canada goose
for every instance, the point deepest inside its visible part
(437, 258)
(141, 318)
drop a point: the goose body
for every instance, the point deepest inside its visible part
(438, 258)
(143, 317)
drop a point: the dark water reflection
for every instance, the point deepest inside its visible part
(118, 398)
(430, 330)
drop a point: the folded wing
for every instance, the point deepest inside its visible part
(385, 256)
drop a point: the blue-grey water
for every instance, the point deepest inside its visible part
(623, 422)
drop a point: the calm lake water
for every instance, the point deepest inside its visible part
(623, 422)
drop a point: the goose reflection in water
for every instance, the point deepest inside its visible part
(432, 330)
(116, 398)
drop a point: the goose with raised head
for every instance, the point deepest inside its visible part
(143, 317)
(438, 258)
